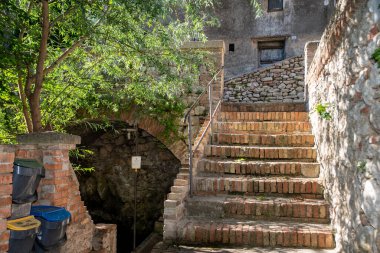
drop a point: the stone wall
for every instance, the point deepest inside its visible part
(109, 190)
(300, 21)
(280, 82)
(343, 76)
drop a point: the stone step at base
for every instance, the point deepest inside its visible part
(259, 168)
(258, 152)
(264, 116)
(282, 186)
(252, 127)
(255, 233)
(279, 140)
(259, 208)
(263, 107)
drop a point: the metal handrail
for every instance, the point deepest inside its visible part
(207, 127)
(190, 134)
(202, 94)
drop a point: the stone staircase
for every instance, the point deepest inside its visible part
(257, 184)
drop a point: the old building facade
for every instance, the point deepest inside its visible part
(280, 32)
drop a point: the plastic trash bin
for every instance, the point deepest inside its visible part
(26, 177)
(23, 232)
(54, 221)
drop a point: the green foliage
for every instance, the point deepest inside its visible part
(256, 7)
(322, 110)
(376, 56)
(361, 166)
(78, 154)
(125, 55)
(129, 55)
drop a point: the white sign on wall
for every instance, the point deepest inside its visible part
(136, 162)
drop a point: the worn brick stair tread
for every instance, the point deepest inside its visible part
(259, 208)
(264, 116)
(261, 127)
(258, 167)
(263, 107)
(226, 249)
(304, 187)
(257, 233)
(277, 139)
(260, 152)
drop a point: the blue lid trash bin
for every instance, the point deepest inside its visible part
(54, 221)
(26, 178)
(23, 232)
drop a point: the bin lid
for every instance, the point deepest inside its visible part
(28, 163)
(50, 213)
(26, 223)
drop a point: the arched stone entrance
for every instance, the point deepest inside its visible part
(108, 192)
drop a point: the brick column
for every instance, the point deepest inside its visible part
(60, 186)
(6, 167)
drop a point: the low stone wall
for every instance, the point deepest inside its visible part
(343, 77)
(280, 82)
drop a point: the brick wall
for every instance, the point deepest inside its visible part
(343, 76)
(280, 82)
(6, 168)
(60, 186)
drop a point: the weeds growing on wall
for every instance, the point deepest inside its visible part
(322, 110)
(376, 56)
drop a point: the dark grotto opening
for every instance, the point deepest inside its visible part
(108, 192)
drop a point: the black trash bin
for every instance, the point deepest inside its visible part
(54, 221)
(23, 232)
(26, 177)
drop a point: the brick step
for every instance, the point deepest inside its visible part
(257, 233)
(161, 248)
(295, 140)
(257, 152)
(261, 168)
(252, 127)
(263, 107)
(268, 186)
(264, 116)
(258, 208)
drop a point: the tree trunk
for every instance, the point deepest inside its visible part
(23, 98)
(34, 98)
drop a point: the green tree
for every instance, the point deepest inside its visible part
(66, 60)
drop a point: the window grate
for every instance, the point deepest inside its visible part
(271, 51)
(275, 5)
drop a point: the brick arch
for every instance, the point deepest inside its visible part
(154, 128)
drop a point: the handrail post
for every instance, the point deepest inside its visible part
(190, 157)
(210, 105)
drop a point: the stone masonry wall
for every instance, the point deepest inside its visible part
(343, 76)
(280, 82)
